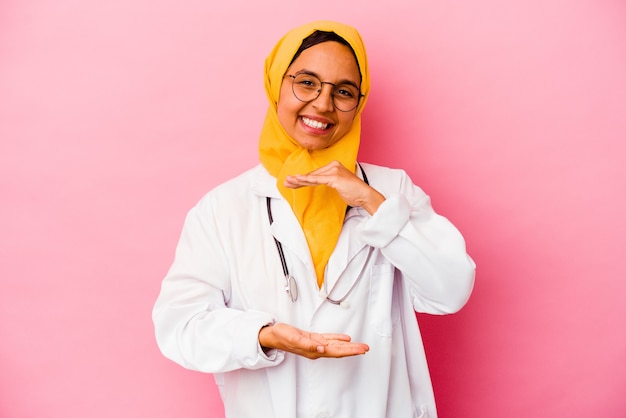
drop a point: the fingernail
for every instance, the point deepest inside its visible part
(320, 349)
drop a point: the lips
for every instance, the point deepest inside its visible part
(315, 124)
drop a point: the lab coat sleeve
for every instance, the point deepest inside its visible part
(425, 247)
(193, 324)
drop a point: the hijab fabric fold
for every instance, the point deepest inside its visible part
(319, 210)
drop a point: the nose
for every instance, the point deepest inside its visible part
(324, 102)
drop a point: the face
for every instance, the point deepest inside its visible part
(318, 124)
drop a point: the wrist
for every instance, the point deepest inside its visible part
(265, 338)
(373, 202)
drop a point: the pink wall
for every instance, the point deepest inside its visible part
(116, 116)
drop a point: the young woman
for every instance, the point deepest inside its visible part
(296, 283)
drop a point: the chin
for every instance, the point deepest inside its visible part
(316, 144)
(313, 145)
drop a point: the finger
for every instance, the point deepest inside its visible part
(311, 178)
(333, 165)
(338, 337)
(345, 350)
(332, 169)
(301, 180)
(322, 170)
(291, 182)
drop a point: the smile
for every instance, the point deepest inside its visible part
(315, 124)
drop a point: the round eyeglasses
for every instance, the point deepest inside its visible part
(307, 87)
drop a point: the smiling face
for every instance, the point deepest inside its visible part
(318, 124)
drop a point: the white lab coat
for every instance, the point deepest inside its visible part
(227, 282)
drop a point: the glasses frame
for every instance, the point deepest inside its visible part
(334, 86)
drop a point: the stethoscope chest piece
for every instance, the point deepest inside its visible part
(291, 287)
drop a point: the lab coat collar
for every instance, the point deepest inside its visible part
(285, 223)
(263, 183)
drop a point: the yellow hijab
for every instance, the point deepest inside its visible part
(320, 210)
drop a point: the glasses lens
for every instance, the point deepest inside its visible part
(307, 87)
(346, 97)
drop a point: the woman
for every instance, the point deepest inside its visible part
(311, 255)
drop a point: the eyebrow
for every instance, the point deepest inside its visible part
(350, 82)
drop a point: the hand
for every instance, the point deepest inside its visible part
(309, 344)
(353, 190)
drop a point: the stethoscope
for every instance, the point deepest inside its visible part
(291, 286)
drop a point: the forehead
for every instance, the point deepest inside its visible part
(330, 60)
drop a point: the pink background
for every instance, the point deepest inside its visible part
(116, 116)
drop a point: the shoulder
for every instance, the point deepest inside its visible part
(386, 178)
(236, 191)
(381, 171)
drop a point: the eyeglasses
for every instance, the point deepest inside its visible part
(308, 87)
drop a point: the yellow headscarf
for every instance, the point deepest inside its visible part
(320, 210)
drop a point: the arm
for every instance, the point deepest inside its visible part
(196, 328)
(424, 246)
(309, 344)
(193, 324)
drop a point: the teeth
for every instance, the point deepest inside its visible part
(314, 124)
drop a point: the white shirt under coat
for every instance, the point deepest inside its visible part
(227, 282)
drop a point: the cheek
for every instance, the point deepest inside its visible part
(284, 108)
(284, 117)
(346, 121)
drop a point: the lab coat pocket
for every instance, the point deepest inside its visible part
(380, 298)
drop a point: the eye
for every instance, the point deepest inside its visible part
(346, 91)
(307, 81)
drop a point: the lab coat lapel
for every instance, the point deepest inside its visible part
(348, 245)
(347, 248)
(285, 227)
